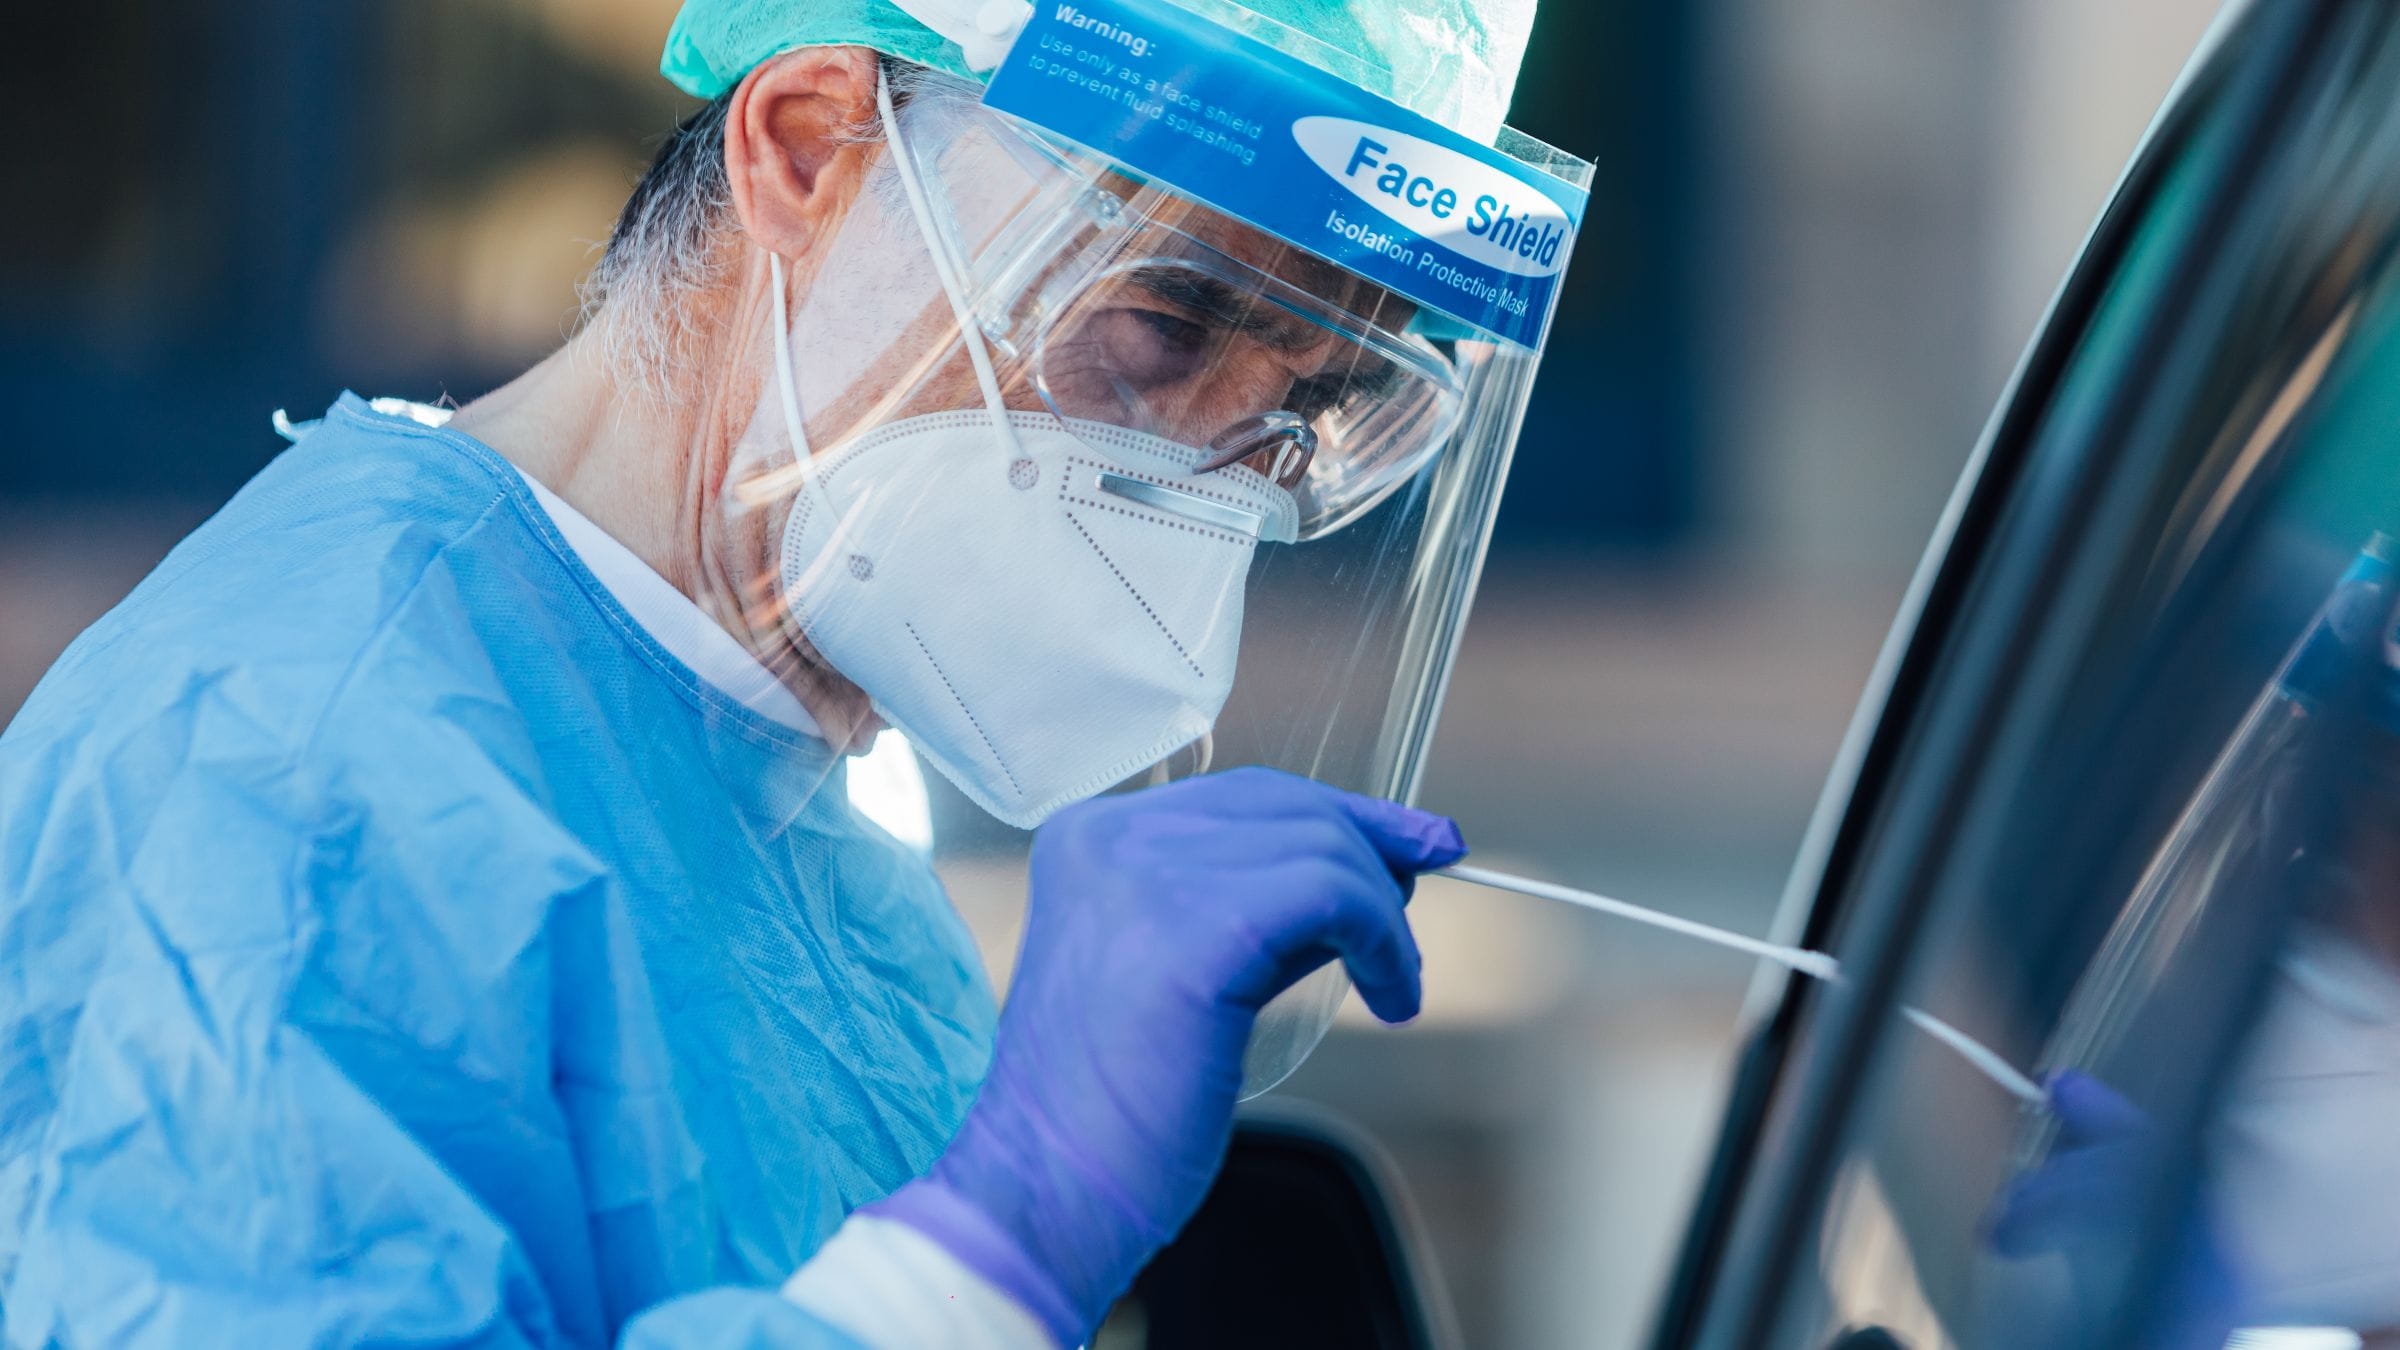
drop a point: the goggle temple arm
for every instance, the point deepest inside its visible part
(1291, 440)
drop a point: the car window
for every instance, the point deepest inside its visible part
(2139, 833)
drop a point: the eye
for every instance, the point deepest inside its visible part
(1148, 347)
(1175, 334)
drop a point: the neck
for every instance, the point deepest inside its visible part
(651, 469)
(646, 469)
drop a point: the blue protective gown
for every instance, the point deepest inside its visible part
(398, 946)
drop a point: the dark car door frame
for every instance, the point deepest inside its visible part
(2002, 565)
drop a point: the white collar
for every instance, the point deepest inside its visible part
(669, 616)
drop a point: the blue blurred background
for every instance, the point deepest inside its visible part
(1821, 231)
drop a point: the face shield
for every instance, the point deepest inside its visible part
(1080, 482)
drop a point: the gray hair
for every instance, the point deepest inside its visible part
(669, 241)
(666, 247)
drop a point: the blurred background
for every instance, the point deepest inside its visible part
(1822, 231)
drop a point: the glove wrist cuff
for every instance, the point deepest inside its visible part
(980, 1243)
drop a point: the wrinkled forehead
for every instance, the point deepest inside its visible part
(1329, 284)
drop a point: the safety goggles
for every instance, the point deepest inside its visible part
(1125, 305)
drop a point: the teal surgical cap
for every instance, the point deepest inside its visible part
(1454, 61)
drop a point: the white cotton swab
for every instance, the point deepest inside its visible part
(1816, 965)
(1980, 1055)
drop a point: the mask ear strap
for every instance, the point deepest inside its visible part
(949, 271)
(787, 384)
(786, 380)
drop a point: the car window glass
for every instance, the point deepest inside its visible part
(2171, 884)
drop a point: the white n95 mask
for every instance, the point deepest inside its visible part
(1043, 622)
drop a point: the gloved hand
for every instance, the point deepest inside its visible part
(1161, 923)
(2089, 1186)
(2088, 1202)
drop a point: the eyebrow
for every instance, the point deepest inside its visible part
(1345, 290)
(1270, 323)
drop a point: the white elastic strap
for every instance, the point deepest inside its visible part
(953, 285)
(788, 385)
(1814, 964)
(786, 376)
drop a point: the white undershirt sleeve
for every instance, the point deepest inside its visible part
(893, 1288)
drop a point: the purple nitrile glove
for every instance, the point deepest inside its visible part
(1161, 923)
(2088, 1197)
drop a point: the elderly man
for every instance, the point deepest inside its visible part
(432, 909)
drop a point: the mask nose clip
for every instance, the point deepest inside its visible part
(1283, 437)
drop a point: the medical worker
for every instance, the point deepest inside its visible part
(430, 908)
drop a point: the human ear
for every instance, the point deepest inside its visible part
(792, 157)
